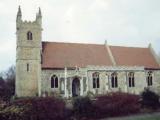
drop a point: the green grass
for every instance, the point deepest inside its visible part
(147, 118)
(154, 116)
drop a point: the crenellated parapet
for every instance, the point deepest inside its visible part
(29, 24)
(116, 68)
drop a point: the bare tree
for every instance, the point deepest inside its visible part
(7, 83)
(10, 73)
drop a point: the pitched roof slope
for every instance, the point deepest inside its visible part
(59, 55)
(130, 56)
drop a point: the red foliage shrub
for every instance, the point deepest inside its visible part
(48, 108)
(116, 104)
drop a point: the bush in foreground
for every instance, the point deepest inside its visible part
(117, 104)
(83, 107)
(150, 99)
(48, 108)
(13, 112)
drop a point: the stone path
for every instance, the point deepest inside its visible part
(137, 117)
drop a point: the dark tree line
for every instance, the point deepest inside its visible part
(7, 84)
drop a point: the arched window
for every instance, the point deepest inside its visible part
(29, 35)
(149, 78)
(95, 77)
(114, 80)
(131, 79)
(54, 81)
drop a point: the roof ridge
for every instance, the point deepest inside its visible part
(93, 44)
(73, 43)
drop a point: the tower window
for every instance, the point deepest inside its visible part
(54, 81)
(95, 77)
(131, 79)
(149, 79)
(27, 67)
(114, 80)
(29, 35)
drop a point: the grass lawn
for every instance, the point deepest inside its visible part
(146, 118)
(154, 116)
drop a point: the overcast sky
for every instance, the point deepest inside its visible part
(120, 22)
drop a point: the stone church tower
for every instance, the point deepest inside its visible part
(28, 55)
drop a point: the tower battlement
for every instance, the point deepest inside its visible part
(37, 21)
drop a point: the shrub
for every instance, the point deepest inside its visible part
(150, 99)
(2, 104)
(13, 112)
(82, 107)
(116, 104)
(34, 109)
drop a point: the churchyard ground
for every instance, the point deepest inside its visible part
(151, 116)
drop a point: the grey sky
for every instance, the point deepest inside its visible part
(121, 22)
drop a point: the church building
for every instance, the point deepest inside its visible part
(77, 69)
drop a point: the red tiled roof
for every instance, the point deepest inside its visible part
(59, 55)
(132, 56)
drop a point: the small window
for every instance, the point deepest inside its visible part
(131, 79)
(54, 81)
(29, 35)
(41, 58)
(62, 86)
(27, 67)
(95, 77)
(114, 80)
(149, 79)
